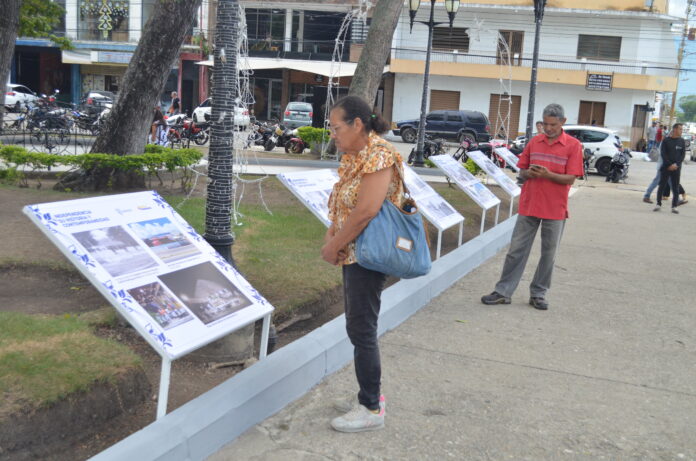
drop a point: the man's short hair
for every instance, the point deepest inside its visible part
(554, 110)
(674, 127)
(538, 122)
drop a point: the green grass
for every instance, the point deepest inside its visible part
(44, 358)
(278, 253)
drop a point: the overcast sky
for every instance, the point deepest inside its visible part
(677, 7)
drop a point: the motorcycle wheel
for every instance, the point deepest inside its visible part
(269, 146)
(201, 138)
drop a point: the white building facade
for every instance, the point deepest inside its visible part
(603, 66)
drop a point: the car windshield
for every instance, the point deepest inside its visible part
(300, 106)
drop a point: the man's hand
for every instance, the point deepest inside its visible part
(537, 171)
(672, 167)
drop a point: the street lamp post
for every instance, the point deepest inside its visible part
(451, 6)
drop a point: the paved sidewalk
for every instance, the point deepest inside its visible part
(607, 373)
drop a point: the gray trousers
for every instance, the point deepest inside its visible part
(520, 246)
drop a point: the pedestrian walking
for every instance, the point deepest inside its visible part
(652, 134)
(550, 163)
(175, 108)
(369, 173)
(672, 152)
(654, 183)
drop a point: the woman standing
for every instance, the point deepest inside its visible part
(367, 177)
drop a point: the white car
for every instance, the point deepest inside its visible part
(18, 95)
(603, 142)
(202, 114)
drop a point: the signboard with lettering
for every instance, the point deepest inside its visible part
(466, 181)
(154, 268)
(599, 82)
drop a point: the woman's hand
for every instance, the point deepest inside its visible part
(331, 254)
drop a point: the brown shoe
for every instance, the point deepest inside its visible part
(647, 200)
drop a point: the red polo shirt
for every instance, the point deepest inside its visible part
(543, 198)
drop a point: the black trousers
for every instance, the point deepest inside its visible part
(362, 292)
(669, 179)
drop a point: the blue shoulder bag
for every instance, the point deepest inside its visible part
(394, 242)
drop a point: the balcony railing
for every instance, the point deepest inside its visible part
(545, 62)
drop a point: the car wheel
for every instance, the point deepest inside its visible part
(409, 135)
(602, 165)
(17, 106)
(467, 136)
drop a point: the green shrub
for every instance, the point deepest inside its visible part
(313, 136)
(472, 167)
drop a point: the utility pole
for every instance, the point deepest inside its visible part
(680, 58)
(539, 6)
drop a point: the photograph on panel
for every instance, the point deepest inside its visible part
(437, 207)
(206, 291)
(165, 239)
(115, 250)
(161, 305)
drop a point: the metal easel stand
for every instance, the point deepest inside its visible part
(165, 375)
(439, 243)
(497, 213)
(483, 221)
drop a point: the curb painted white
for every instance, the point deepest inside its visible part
(201, 427)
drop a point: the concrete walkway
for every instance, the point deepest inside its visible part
(607, 373)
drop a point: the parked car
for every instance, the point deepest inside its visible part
(689, 153)
(18, 95)
(602, 142)
(95, 101)
(469, 125)
(298, 114)
(201, 114)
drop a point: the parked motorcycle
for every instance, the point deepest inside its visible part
(85, 121)
(198, 133)
(587, 157)
(295, 145)
(430, 147)
(275, 138)
(487, 148)
(618, 169)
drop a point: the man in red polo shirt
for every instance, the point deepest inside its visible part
(549, 163)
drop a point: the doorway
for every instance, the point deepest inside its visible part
(504, 115)
(592, 113)
(267, 96)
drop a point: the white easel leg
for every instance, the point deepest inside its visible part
(483, 220)
(263, 348)
(439, 243)
(164, 387)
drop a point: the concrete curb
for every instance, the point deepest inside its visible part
(201, 427)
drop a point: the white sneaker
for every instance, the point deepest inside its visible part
(359, 419)
(345, 404)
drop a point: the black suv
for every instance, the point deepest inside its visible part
(456, 124)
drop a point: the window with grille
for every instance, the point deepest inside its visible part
(446, 39)
(599, 47)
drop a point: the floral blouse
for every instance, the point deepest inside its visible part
(377, 155)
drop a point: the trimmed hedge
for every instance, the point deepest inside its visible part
(155, 158)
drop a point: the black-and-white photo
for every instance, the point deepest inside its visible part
(437, 207)
(115, 250)
(206, 291)
(161, 305)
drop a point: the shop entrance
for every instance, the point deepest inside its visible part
(267, 98)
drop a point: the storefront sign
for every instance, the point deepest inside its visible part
(115, 57)
(599, 82)
(168, 282)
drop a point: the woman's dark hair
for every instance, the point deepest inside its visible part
(356, 107)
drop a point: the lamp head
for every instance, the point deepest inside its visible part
(452, 6)
(412, 8)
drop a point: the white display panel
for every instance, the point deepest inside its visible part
(495, 172)
(430, 203)
(164, 278)
(466, 181)
(509, 157)
(313, 188)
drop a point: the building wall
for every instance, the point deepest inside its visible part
(475, 95)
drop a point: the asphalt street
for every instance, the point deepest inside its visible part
(606, 373)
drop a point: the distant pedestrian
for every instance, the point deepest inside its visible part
(539, 127)
(672, 152)
(550, 164)
(652, 133)
(654, 183)
(175, 108)
(157, 126)
(370, 172)
(658, 134)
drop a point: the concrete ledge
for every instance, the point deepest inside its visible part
(201, 427)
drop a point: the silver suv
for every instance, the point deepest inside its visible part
(603, 142)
